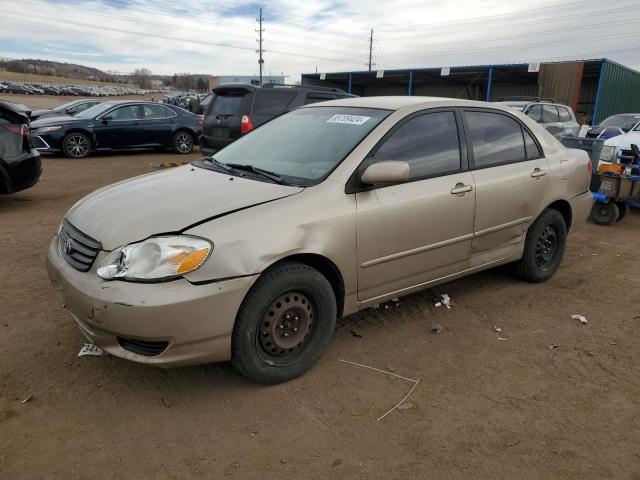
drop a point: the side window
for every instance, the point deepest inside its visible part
(549, 114)
(531, 146)
(565, 116)
(311, 98)
(129, 112)
(429, 143)
(269, 102)
(496, 138)
(155, 112)
(535, 113)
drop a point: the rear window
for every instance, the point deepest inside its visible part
(227, 104)
(565, 116)
(10, 138)
(274, 103)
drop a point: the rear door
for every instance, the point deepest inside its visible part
(223, 118)
(412, 233)
(269, 103)
(156, 124)
(511, 178)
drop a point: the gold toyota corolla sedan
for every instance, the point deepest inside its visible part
(252, 254)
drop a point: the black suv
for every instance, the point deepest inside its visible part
(20, 165)
(237, 109)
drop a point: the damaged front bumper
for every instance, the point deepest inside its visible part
(166, 324)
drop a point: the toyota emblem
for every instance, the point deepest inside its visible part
(67, 247)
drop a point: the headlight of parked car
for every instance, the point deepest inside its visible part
(155, 259)
(607, 153)
(48, 129)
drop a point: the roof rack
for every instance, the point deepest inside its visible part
(309, 87)
(519, 99)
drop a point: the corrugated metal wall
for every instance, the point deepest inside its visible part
(501, 90)
(619, 91)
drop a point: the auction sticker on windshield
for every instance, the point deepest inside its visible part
(348, 119)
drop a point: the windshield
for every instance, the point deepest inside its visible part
(305, 145)
(64, 106)
(620, 121)
(95, 110)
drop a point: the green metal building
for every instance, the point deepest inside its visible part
(595, 89)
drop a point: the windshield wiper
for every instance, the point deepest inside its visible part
(218, 163)
(259, 171)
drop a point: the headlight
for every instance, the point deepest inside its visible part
(157, 258)
(607, 153)
(48, 129)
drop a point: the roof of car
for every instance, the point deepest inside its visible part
(399, 102)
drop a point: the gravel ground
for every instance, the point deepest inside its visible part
(555, 400)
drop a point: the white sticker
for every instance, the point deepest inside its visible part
(444, 71)
(348, 119)
(380, 74)
(323, 76)
(533, 67)
(89, 349)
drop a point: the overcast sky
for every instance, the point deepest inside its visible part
(168, 36)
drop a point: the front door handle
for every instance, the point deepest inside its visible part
(537, 173)
(461, 188)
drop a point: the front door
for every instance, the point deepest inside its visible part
(119, 128)
(511, 178)
(412, 233)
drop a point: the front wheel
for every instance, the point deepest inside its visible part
(605, 213)
(183, 143)
(284, 324)
(76, 145)
(543, 248)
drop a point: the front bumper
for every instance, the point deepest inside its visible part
(196, 321)
(581, 209)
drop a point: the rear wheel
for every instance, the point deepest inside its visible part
(623, 209)
(605, 213)
(183, 142)
(284, 324)
(76, 145)
(543, 248)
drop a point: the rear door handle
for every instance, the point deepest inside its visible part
(537, 173)
(461, 188)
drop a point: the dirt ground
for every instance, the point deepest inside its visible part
(554, 400)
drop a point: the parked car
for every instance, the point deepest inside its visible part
(614, 125)
(20, 164)
(239, 108)
(118, 125)
(618, 149)
(70, 108)
(324, 211)
(558, 119)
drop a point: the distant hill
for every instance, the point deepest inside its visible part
(56, 69)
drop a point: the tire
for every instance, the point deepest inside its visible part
(623, 209)
(604, 213)
(543, 248)
(183, 142)
(284, 324)
(76, 145)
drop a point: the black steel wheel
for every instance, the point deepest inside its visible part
(284, 324)
(604, 213)
(76, 145)
(544, 247)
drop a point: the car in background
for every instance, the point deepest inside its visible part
(237, 109)
(618, 149)
(20, 164)
(118, 125)
(324, 211)
(558, 119)
(70, 108)
(614, 125)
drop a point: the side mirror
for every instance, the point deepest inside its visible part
(69, 110)
(389, 171)
(106, 119)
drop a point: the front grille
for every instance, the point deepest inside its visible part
(78, 249)
(143, 347)
(39, 143)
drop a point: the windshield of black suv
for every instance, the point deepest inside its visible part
(303, 146)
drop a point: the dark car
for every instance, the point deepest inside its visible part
(118, 125)
(70, 108)
(614, 125)
(20, 164)
(237, 109)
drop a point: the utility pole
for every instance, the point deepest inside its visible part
(260, 51)
(370, 48)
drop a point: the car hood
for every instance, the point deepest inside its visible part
(625, 140)
(55, 120)
(167, 202)
(604, 132)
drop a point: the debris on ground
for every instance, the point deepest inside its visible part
(90, 349)
(28, 399)
(406, 406)
(497, 329)
(355, 334)
(167, 403)
(445, 300)
(503, 339)
(553, 346)
(581, 318)
(436, 328)
(336, 462)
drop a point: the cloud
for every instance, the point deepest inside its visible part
(332, 35)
